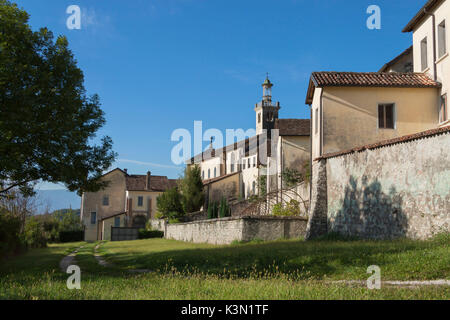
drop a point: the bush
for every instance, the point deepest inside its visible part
(169, 204)
(224, 210)
(148, 234)
(10, 240)
(71, 236)
(291, 209)
(34, 234)
(213, 211)
(191, 187)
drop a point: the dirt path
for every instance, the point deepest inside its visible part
(104, 263)
(68, 260)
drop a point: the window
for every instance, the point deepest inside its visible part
(93, 217)
(424, 53)
(209, 173)
(106, 200)
(203, 175)
(443, 112)
(386, 116)
(259, 117)
(254, 162)
(232, 162)
(248, 163)
(254, 187)
(140, 201)
(441, 39)
(316, 118)
(117, 222)
(215, 172)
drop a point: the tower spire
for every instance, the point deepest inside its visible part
(267, 89)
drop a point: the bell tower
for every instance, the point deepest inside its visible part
(266, 110)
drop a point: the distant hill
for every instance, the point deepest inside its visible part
(57, 199)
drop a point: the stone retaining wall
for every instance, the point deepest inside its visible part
(227, 230)
(391, 190)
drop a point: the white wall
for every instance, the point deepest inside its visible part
(425, 29)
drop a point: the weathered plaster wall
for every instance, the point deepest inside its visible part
(317, 222)
(227, 230)
(401, 190)
(93, 202)
(350, 115)
(425, 29)
(228, 187)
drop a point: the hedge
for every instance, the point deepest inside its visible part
(147, 234)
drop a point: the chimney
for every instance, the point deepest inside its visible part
(147, 182)
(125, 170)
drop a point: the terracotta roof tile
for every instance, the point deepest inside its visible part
(368, 79)
(373, 79)
(157, 183)
(293, 127)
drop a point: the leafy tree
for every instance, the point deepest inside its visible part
(191, 187)
(47, 121)
(169, 204)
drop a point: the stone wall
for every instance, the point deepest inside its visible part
(227, 230)
(394, 189)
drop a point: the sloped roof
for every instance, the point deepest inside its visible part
(421, 14)
(157, 183)
(396, 59)
(293, 127)
(368, 79)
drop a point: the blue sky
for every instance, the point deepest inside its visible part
(158, 65)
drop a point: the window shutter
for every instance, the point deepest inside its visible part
(380, 116)
(424, 53)
(441, 39)
(389, 116)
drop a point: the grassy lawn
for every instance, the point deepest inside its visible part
(275, 270)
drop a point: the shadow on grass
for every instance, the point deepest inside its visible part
(299, 259)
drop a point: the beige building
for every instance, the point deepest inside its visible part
(127, 201)
(431, 40)
(234, 170)
(350, 109)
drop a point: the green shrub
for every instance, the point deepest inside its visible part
(173, 220)
(291, 209)
(148, 234)
(213, 211)
(34, 234)
(10, 240)
(169, 204)
(224, 210)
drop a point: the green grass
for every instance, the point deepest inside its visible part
(275, 270)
